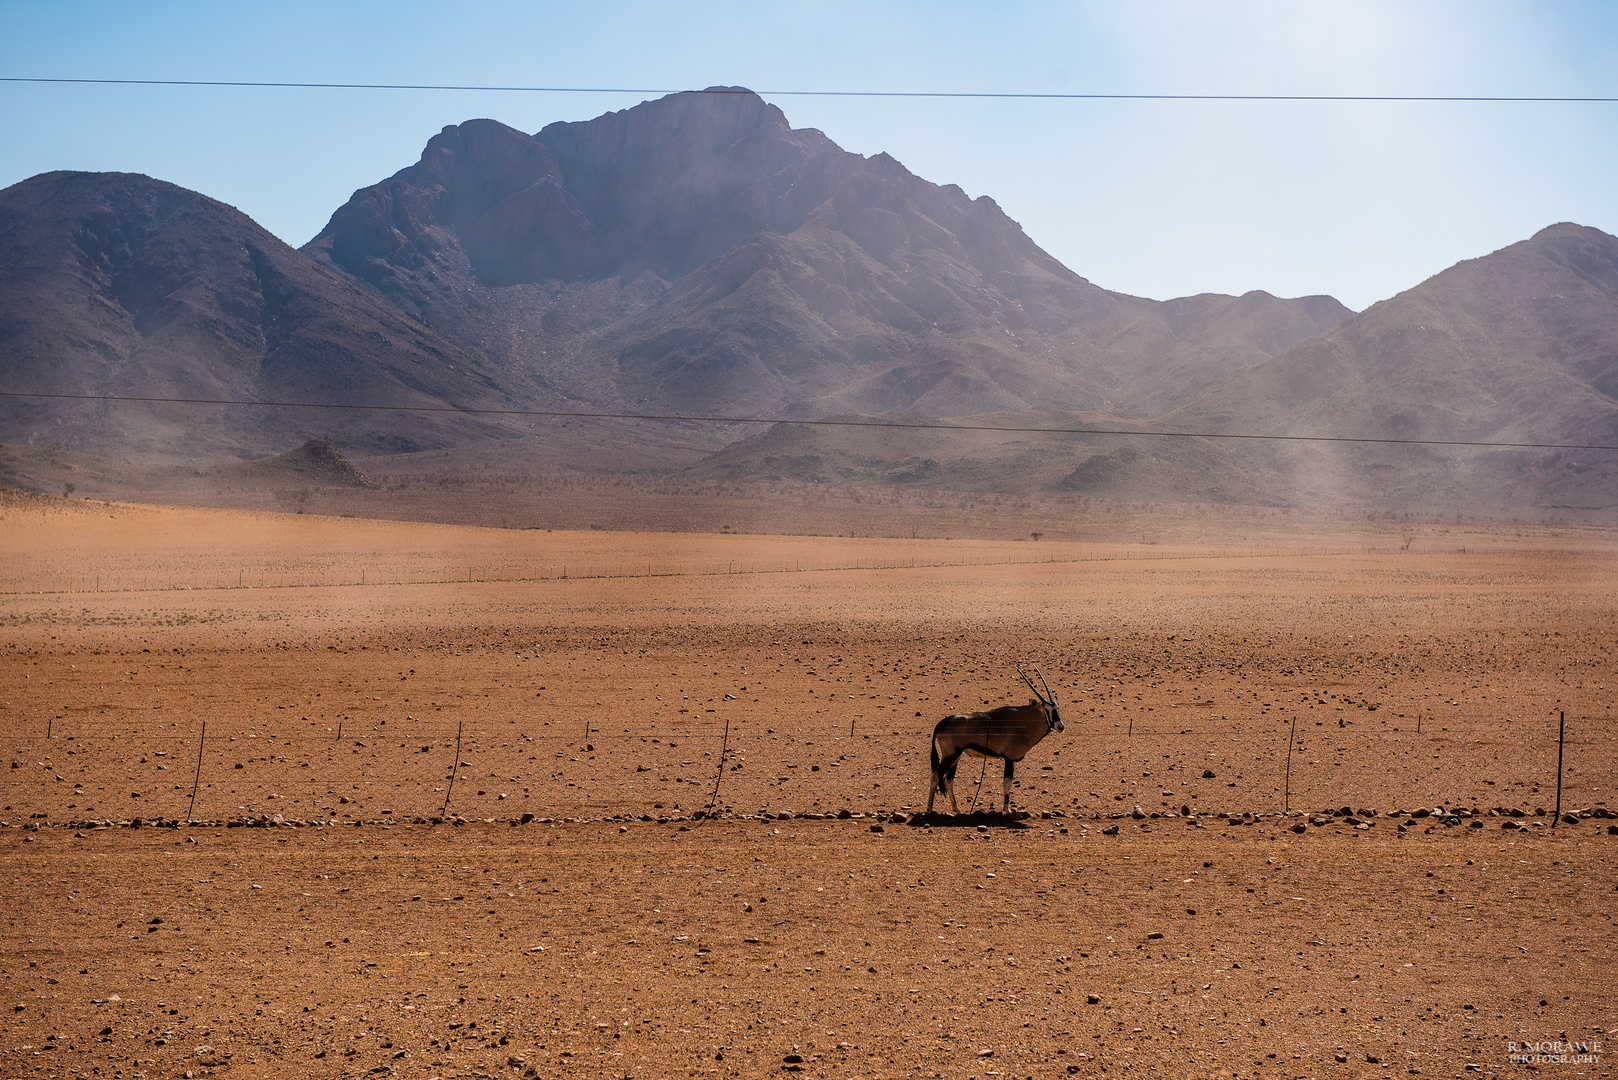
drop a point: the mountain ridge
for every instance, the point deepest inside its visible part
(1516, 347)
(119, 284)
(800, 278)
(697, 255)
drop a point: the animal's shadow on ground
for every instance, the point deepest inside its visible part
(990, 819)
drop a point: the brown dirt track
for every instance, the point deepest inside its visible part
(596, 940)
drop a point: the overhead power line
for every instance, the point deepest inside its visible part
(771, 421)
(957, 94)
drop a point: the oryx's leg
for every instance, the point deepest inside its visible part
(1006, 801)
(949, 784)
(937, 774)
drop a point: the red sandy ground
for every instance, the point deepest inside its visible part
(597, 940)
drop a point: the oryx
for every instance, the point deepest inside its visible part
(1008, 733)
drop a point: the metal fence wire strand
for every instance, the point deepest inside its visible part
(425, 772)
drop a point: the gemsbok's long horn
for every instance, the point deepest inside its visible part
(1030, 682)
(1047, 685)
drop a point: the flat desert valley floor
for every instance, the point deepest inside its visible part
(422, 800)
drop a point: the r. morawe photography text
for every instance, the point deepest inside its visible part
(1555, 1052)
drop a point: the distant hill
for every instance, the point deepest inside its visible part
(1520, 346)
(696, 253)
(113, 283)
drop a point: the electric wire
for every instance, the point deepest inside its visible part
(946, 94)
(773, 421)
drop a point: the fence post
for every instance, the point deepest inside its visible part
(196, 781)
(1286, 791)
(724, 748)
(453, 767)
(1561, 734)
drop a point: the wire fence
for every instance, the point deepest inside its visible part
(422, 772)
(196, 575)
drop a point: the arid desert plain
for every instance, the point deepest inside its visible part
(301, 796)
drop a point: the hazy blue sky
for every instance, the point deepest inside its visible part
(1160, 199)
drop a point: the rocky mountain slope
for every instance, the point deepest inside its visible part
(1520, 346)
(694, 254)
(112, 283)
(698, 254)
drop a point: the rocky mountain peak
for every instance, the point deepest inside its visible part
(663, 187)
(695, 253)
(1589, 253)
